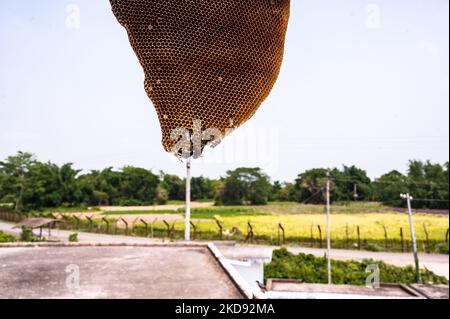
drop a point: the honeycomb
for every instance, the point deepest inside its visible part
(210, 61)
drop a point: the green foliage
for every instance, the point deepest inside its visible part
(244, 186)
(442, 248)
(162, 196)
(226, 211)
(27, 235)
(201, 187)
(29, 185)
(73, 238)
(348, 184)
(311, 269)
(5, 238)
(140, 212)
(388, 187)
(13, 181)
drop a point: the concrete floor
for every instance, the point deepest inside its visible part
(113, 272)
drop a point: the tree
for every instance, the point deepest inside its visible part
(287, 193)
(202, 188)
(274, 194)
(310, 186)
(137, 186)
(161, 195)
(244, 186)
(428, 183)
(388, 187)
(352, 183)
(174, 185)
(14, 171)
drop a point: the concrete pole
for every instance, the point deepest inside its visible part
(187, 225)
(328, 229)
(413, 239)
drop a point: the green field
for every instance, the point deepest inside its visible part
(304, 229)
(304, 225)
(138, 212)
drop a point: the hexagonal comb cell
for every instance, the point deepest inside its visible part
(208, 60)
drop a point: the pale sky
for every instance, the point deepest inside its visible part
(363, 83)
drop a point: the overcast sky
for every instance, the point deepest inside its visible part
(363, 82)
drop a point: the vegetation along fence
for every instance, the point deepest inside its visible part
(350, 237)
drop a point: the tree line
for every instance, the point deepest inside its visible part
(28, 184)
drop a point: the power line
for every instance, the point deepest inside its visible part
(392, 183)
(432, 200)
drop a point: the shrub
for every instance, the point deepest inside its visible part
(73, 238)
(311, 269)
(27, 235)
(373, 247)
(5, 238)
(441, 248)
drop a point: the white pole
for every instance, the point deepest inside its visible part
(187, 226)
(413, 238)
(328, 229)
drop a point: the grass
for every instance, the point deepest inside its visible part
(223, 211)
(139, 212)
(298, 229)
(339, 207)
(311, 269)
(301, 223)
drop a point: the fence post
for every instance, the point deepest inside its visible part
(77, 225)
(170, 230)
(146, 227)
(153, 227)
(107, 224)
(347, 236)
(280, 227)
(402, 239)
(194, 227)
(427, 238)
(250, 232)
(133, 225)
(219, 224)
(359, 237)
(126, 225)
(66, 222)
(320, 236)
(115, 226)
(446, 236)
(312, 235)
(90, 222)
(385, 238)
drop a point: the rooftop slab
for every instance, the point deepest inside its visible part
(114, 272)
(284, 288)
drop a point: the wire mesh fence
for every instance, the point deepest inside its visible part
(351, 237)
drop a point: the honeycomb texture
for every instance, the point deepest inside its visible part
(210, 60)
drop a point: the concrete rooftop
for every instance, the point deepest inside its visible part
(166, 271)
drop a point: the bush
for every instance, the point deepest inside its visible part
(311, 269)
(373, 247)
(73, 238)
(441, 248)
(27, 235)
(5, 238)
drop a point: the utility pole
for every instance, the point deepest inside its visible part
(355, 191)
(328, 229)
(408, 199)
(187, 222)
